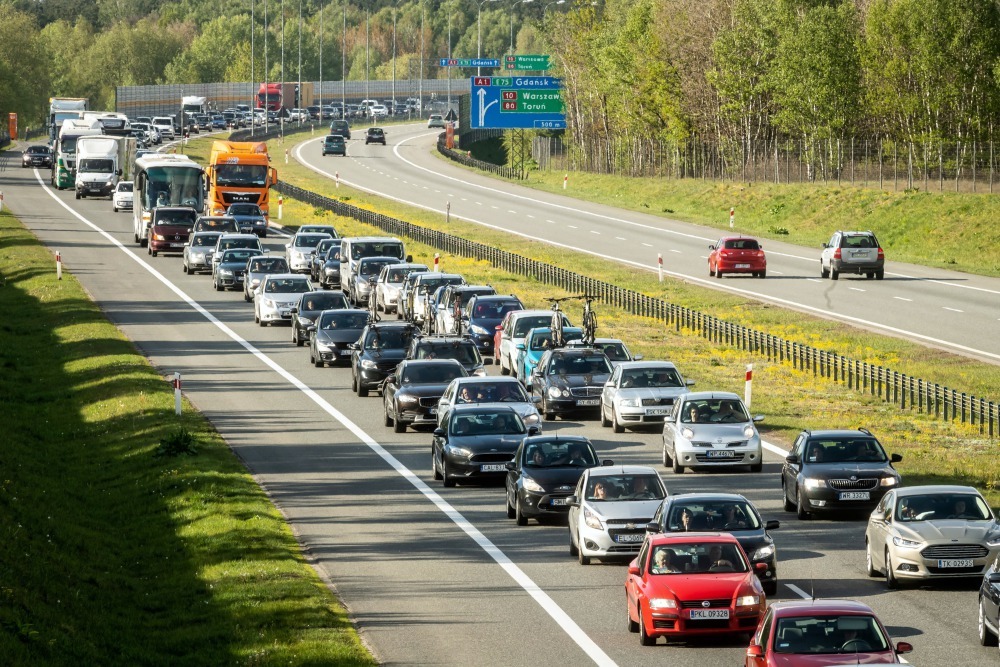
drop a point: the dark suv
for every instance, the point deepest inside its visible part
(379, 350)
(375, 135)
(852, 252)
(837, 470)
(462, 350)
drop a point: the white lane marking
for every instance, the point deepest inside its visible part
(954, 310)
(648, 245)
(543, 599)
(778, 273)
(572, 226)
(551, 221)
(511, 211)
(593, 232)
(677, 251)
(704, 256)
(620, 238)
(822, 312)
(528, 215)
(798, 591)
(857, 289)
(902, 298)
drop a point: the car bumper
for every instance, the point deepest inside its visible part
(741, 267)
(677, 622)
(737, 456)
(615, 540)
(230, 281)
(465, 468)
(830, 500)
(483, 342)
(300, 264)
(840, 266)
(332, 355)
(910, 564)
(166, 246)
(123, 203)
(417, 416)
(331, 277)
(199, 263)
(279, 313)
(653, 415)
(543, 504)
(372, 377)
(565, 405)
(95, 189)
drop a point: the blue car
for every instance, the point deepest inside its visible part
(249, 217)
(218, 123)
(536, 342)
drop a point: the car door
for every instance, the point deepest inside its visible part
(536, 383)
(762, 638)
(573, 520)
(790, 471)
(445, 403)
(991, 595)
(878, 528)
(512, 476)
(608, 392)
(670, 427)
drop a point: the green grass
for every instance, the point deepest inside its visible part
(111, 553)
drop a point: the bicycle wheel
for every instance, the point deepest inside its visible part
(589, 328)
(557, 330)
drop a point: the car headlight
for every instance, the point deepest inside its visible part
(889, 481)
(159, 237)
(662, 603)
(459, 451)
(748, 431)
(747, 600)
(687, 433)
(631, 402)
(368, 363)
(406, 398)
(268, 302)
(904, 543)
(533, 418)
(763, 553)
(110, 182)
(225, 272)
(592, 519)
(255, 282)
(479, 372)
(558, 392)
(305, 321)
(478, 330)
(531, 485)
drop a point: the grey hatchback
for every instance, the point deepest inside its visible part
(852, 252)
(334, 144)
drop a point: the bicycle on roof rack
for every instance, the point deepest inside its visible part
(589, 323)
(372, 301)
(558, 317)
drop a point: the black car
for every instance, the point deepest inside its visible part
(341, 128)
(375, 135)
(485, 314)
(477, 443)
(410, 395)
(377, 353)
(544, 473)
(836, 471)
(225, 224)
(319, 258)
(989, 606)
(36, 156)
(334, 334)
(229, 272)
(460, 349)
(570, 380)
(310, 305)
(334, 144)
(722, 512)
(249, 217)
(329, 274)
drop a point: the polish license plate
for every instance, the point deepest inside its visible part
(176, 245)
(859, 253)
(855, 495)
(284, 313)
(588, 401)
(955, 562)
(629, 539)
(493, 467)
(721, 454)
(559, 501)
(708, 614)
(657, 411)
(742, 266)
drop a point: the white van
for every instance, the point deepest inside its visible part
(165, 126)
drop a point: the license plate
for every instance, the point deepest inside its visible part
(855, 495)
(176, 245)
(862, 253)
(238, 279)
(657, 411)
(742, 266)
(955, 562)
(629, 539)
(558, 501)
(588, 401)
(708, 614)
(285, 313)
(721, 454)
(493, 467)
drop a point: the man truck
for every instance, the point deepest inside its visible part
(239, 172)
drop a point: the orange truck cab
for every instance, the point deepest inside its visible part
(239, 172)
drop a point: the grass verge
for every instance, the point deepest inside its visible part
(120, 544)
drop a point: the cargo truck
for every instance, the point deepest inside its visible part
(101, 161)
(239, 172)
(64, 160)
(62, 109)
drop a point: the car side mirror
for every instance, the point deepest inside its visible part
(758, 418)
(896, 458)
(609, 383)
(510, 465)
(637, 357)
(487, 361)
(607, 462)
(537, 400)
(295, 309)
(773, 524)
(352, 346)
(755, 651)
(711, 246)
(534, 430)
(498, 328)
(439, 433)
(573, 501)
(311, 328)
(689, 383)
(266, 251)
(390, 378)
(652, 527)
(792, 458)
(993, 577)
(904, 647)
(633, 567)
(520, 346)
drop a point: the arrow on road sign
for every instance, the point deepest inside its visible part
(483, 107)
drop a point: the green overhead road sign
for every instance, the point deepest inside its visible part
(532, 101)
(526, 63)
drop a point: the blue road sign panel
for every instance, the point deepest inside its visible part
(469, 62)
(517, 81)
(507, 108)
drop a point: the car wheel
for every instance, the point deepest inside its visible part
(449, 481)
(184, 268)
(604, 419)
(834, 274)
(678, 468)
(770, 588)
(667, 461)
(434, 466)
(757, 467)
(986, 636)
(519, 517)
(295, 335)
(801, 512)
(573, 549)
(398, 426)
(77, 195)
(581, 557)
(718, 272)
(870, 275)
(869, 562)
(630, 624)
(114, 209)
(317, 362)
(880, 274)
(510, 508)
(644, 639)
(362, 392)
(711, 271)
(256, 317)
(891, 582)
(788, 504)
(218, 287)
(354, 382)
(386, 419)
(503, 369)
(616, 425)
(823, 271)
(246, 297)
(763, 274)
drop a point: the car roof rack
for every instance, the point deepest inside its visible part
(864, 430)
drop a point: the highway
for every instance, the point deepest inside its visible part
(946, 309)
(433, 576)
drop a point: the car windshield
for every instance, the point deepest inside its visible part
(432, 284)
(525, 324)
(559, 453)
(339, 320)
(718, 411)
(542, 340)
(463, 352)
(96, 165)
(320, 229)
(324, 301)
(845, 450)
(494, 309)
(238, 243)
(39, 150)
(205, 240)
(388, 338)
(697, 558)
(308, 240)
(613, 351)
(487, 422)
(377, 248)
(398, 275)
(579, 365)
(125, 186)
(287, 285)
(237, 256)
(651, 377)
(431, 373)
(712, 515)
(372, 267)
(333, 254)
(492, 392)
(854, 633)
(269, 265)
(623, 487)
(324, 246)
(937, 506)
(742, 244)
(241, 175)
(164, 217)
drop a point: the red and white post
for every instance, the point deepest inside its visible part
(659, 265)
(732, 217)
(1, 200)
(336, 179)
(177, 394)
(281, 205)
(58, 265)
(437, 262)
(565, 181)
(748, 390)
(286, 156)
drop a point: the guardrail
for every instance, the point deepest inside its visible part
(469, 161)
(902, 390)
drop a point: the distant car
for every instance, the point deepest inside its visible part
(989, 606)
(36, 156)
(569, 381)
(330, 272)
(410, 395)
(921, 533)
(219, 123)
(122, 196)
(231, 269)
(379, 350)
(737, 254)
(379, 111)
(489, 389)
(257, 268)
(544, 473)
(822, 632)
(450, 313)
(852, 252)
(536, 343)
(249, 217)
(514, 327)
(485, 313)
(424, 284)
(334, 334)
(227, 241)
(836, 470)
(216, 223)
(685, 584)
(319, 259)
(723, 512)
(309, 306)
(610, 509)
(298, 115)
(359, 289)
(334, 144)
(198, 252)
(435, 120)
(320, 229)
(458, 348)
(300, 250)
(476, 443)
(711, 429)
(641, 393)
(389, 282)
(375, 135)
(277, 295)
(341, 127)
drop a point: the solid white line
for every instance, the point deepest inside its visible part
(778, 273)
(857, 289)
(902, 298)
(954, 310)
(679, 252)
(568, 625)
(798, 591)
(814, 280)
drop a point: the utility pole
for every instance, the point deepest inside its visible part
(298, 101)
(321, 62)
(343, 68)
(420, 82)
(253, 57)
(265, 70)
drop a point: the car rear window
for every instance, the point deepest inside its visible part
(525, 324)
(742, 244)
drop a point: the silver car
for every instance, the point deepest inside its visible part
(852, 252)
(230, 241)
(198, 252)
(390, 283)
(276, 295)
(614, 349)
(257, 268)
(641, 393)
(609, 511)
(423, 287)
(301, 248)
(931, 532)
(711, 429)
(369, 268)
(489, 389)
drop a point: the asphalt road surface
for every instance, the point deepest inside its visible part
(954, 311)
(432, 576)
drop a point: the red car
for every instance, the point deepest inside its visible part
(737, 254)
(817, 633)
(692, 584)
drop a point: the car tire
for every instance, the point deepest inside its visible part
(354, 382)
(362, 392)
(869, 561)
(77, 195)
(644, 639)
(763, 274)
(114, 209)
(823, 271)
(398, 426)
(632, 626)
(711, 271)
(718, 272)
(788, 505)
(256, 318)
(581, 557)
(891, 582)
(604, 420)
(217, 286)
(770, 587)
(986, 636)
(519, 517)
(757, 467)
(503, 369)
(184, 268)
(667, 461)
(834, 274)
(870, 275)
(434, 468)
(574, 551)
(880, 274)
(616, 425)
(800, 508)
(676, 465)
(246, 297)
(447, 479)
(511, 513)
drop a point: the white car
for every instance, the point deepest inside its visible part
(609, 511)
(515, 327)
(122, 196)
(711, 429)
(165, 126)
(390, 280)
(641, 393)
(489, 389)
(276, 295)
(298, 115)
(379, 111)
(301, 248)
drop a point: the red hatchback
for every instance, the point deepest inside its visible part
(692, 584)
(818, 633)
(737, 254)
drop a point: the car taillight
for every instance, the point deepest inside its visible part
(881, 255)
(836, 253)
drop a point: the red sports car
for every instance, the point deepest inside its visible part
(817, 633)
(692, 584)
(737, 254)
